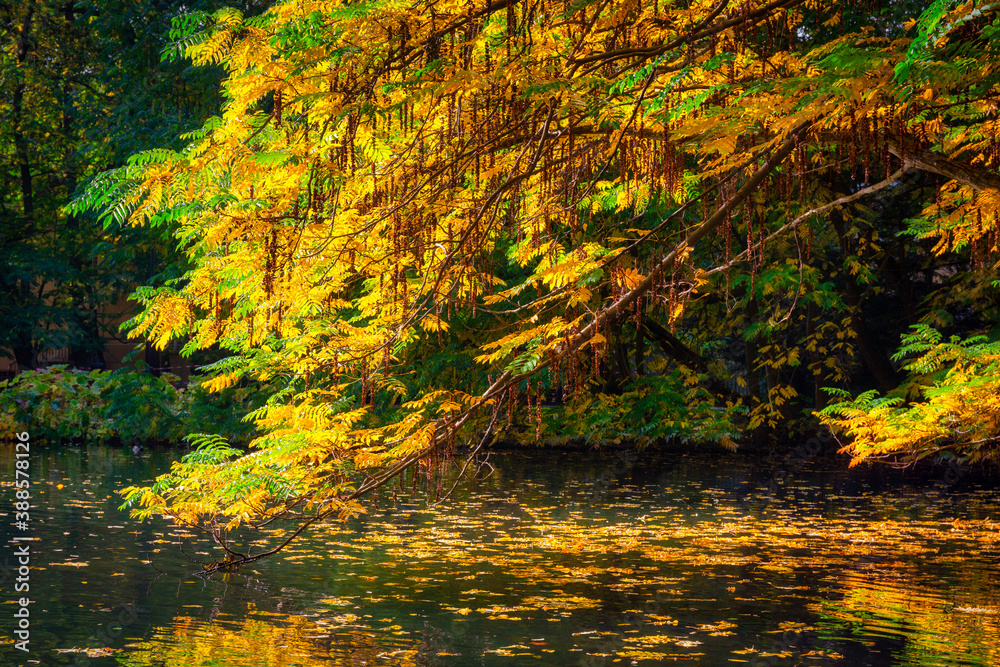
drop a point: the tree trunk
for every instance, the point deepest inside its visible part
(26, 356)
(877, 364)
(685, 356)
(17, 116)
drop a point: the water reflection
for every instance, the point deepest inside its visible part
(677, 559)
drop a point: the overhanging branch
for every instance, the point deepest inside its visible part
(963, 172)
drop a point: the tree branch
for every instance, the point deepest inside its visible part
(684, 355)
(819, 210)
(927, 160)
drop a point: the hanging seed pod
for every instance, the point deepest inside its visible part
(902, 142)
(511, 397)
(937, 204)
(538, 411)
(671, 297)
(838, 150)
(727, 237)
(271, 263)
(761, 242)
(497, 400)
(596, 360)
(530, 407)
(854, 147)
(668, 167)
(800, 159)
(809, 240)
(979, 226)
(560, 375)
(866, 144)
(787, 184)
(364, 382)
(885, 154)
(440, 341)
(575, 382)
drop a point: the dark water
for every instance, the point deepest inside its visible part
(554, 559)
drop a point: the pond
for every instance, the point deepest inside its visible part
(553, 558)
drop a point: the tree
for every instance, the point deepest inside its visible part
(39, 167)
(531, 192)
(957, 414)
(83, 89)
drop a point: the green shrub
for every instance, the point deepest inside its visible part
(60, 404)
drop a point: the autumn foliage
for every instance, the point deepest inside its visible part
(427, 220)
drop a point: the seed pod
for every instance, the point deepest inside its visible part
(538, 411)
(748, 219)
(866, 144)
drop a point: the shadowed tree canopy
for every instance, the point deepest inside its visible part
(655, 218)
(82, 87)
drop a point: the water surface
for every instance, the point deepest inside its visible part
(555, 558)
